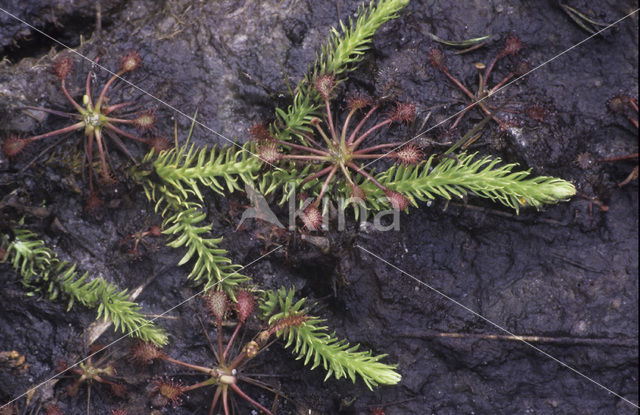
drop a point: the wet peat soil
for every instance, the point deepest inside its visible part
(568, 272)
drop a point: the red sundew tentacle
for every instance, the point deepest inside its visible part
(312, 218)
(397, 200)
(512, 45)
(246, 397)
(408, 154)
(13, 145)
(63, 67)
(170, 390)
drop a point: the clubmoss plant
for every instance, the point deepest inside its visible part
(181, 169)
(282, 317)
(342, 52)
(43, 272)
(311, 342)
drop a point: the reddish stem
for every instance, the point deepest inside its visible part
(60, 113)
(316, 175)
(64, 130)
(233, 336)
(305, 148)
(378, 147)
(197, 385)
(238, 361)
(299, 157)
(326, 183)
(111, 108)
(88, 89)
(225, 401)
(220, 348)
(346, 174)
(332, 130)
(121, 120)
(361, 124)
(124, 133)
(370, 156)
(73, 101)
(106, 87)
(620, 158)
(89, 150)
(458, 83)
(246, 397)
(367, 175)
(501, 83)
(214, 401)
(345, 126)
(369, 131)
(460, 116)
(103, 161)
(203, 369)
(490, 67)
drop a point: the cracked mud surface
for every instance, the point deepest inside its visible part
(568, 273)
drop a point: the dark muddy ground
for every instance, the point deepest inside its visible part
(569, 272)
